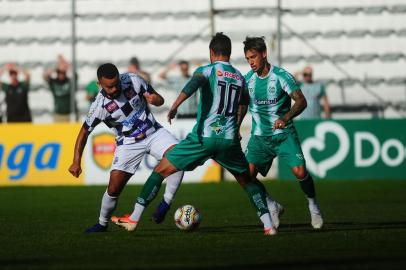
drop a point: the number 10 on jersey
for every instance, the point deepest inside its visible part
(229, 97)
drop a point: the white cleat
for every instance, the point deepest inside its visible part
(125, 222)
(270, 231)
(317, 219)
(276, 210)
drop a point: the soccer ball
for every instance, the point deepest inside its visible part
(187, 217)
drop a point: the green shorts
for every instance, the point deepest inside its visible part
(192, 152)
(261, 150)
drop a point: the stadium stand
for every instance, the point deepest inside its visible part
(357, 48)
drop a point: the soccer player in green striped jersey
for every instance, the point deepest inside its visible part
(270, 90)
(215, 134)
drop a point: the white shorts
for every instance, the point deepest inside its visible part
(127, 157)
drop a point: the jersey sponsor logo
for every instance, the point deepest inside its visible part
(134, 119)
(103, 147)
(232, 76)
(219, 73)
(111, 107)
(265, 101)
(130, 93)
(143, 127)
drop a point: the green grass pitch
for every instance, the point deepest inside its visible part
(365, 228)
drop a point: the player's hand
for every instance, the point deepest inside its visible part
(279, 124)
(75, 170)
(171, 114)
(151, 98)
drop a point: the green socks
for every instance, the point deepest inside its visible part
(257, 198)
(150, 189)
(260, 185)
(307, 186)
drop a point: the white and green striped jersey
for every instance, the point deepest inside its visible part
(269, 99)
(220, 87)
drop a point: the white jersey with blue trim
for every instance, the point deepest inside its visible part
(127, 114)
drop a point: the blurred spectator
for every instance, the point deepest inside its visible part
(16, 94)
(188, 109)
(315, 94)
(135, 67)
(60, 85)
(92, 89)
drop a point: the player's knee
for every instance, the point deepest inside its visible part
(253, 171)
(113, 191)
(165, 168)
(243, 179)
(300, 172)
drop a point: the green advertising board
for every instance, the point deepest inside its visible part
(352, 149)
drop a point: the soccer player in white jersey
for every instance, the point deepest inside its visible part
(270, 90)
(215, 134)
(122, 105)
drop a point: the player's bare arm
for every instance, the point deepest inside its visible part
(242, 111)
(174, 109)
(242, 107)
(194, 83)
(75, 169)
(297, 108)
(154, 98)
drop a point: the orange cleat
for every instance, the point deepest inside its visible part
(270, 231)
(125, 222)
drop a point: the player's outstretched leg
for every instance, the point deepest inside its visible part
(258, 199)
(118, 179)
(307, 186)
(275, 209)
(172, 184)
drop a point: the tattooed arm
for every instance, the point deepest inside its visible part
(295, 110)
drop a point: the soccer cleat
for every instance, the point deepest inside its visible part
(276, 210)
(125, 222)
(160, 212)
(270, 231)
(96, 228)
(317, 219)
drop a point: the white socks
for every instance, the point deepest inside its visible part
(107, 207)
(270, 203)
(137, 213)
(266, 219)
(313, 205)
(172, 184)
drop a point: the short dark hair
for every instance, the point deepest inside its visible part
(254, 43)
(12, 72)
(107, 70)
(220, 44)
(135, 62)
(183, 62)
